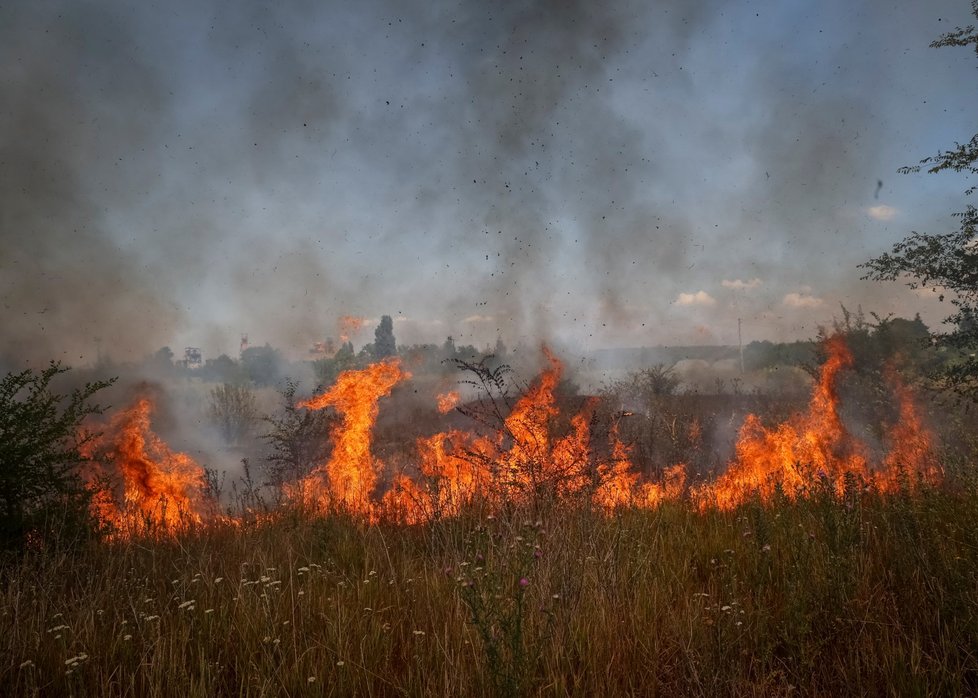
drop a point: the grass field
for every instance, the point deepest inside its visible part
(863, 595)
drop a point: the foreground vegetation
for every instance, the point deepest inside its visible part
(859, 595)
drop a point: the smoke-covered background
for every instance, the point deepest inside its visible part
(597, 174)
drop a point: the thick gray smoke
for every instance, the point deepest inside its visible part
(591, 173)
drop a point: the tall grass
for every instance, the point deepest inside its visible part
(865, 595)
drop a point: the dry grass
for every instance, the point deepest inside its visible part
(868, 596)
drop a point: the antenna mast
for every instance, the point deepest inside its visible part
(740, 345)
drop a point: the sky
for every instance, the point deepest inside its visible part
(588, 174)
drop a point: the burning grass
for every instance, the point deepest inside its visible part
(527, 451)
(530, 554)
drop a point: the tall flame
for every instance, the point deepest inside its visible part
(912, 452)
(816, 445)
(796, 453)
(528, 426)
(161, 489)
(350, 476)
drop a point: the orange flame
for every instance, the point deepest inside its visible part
(528, 426)
(455, 469)
(912, 444)
(526, 457)
(652, 494)
(616, 478)
(448, 401)
(795, 454)
(350, 476)
(816, 445)
(523, 461)
(348, 325)
(161, 489)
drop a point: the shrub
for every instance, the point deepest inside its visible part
(42, 492)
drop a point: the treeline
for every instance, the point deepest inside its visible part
(269, 366)
(872, 339)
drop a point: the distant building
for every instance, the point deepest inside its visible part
(192, 358)
(324, 348)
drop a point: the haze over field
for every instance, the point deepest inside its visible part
(595, 174)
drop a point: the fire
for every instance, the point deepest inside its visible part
(616, 478)
(448, 401)
(537, 464)
(528, 462)
(816, 446)
(527, 457)
(571, 454)
(349, 478)
(797, 453)
(523, 462)
(348, 325)
(652, 494)
(455, 470)
(162, 490)
(912, 444)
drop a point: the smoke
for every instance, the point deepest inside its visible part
(179, 175)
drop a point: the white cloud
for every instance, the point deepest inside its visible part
(414, 321)
(801, 300)
(698, 298)
(479, 318)
(741, 285)
(882, 212)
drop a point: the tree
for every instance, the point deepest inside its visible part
(384, 344)
(262, 365)
(328, 369)
(233, 410)
(643, 389)
(223, 369)
(946, 262)
(41, 450)
(298, 439)
(161, 362)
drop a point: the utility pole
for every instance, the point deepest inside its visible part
(740, 345)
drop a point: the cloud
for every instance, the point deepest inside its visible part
(698, 298)
(801, 300)
(479, 318)
(882, 212)
(739, 285)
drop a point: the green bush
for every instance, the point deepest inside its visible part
(42, 493)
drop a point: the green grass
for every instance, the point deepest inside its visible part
(869, 596)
